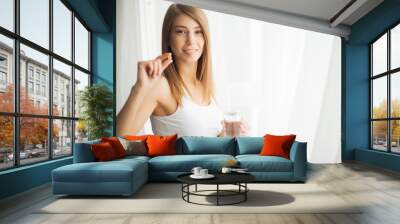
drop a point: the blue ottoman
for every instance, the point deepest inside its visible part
(119, 177)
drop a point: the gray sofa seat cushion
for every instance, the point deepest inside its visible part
(184, 163)
(257, 163)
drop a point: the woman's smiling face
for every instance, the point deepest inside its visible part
(186, 39)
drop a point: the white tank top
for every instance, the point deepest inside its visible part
(190, 119)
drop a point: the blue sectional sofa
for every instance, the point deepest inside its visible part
(125, 176)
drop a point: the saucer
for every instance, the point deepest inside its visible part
(208, 176)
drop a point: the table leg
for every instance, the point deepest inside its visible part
(188, 189)
(196, 188)
(246, 190)
(217, 194)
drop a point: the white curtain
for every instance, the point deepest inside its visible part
(282, 80)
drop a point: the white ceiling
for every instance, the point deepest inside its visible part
(315, 15)
(320, 9)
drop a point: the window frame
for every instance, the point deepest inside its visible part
(16, 115)
(388, 74)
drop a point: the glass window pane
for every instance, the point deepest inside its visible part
(6, 142)
(62, 29)
(62, 89)
(379, 98)
(379, 135)
(62, 138)
(33, 67)
(7, 14)
(33, 140)
(395, 136)
(81, 81)
(379, 55)
(81, 45)
(35, 21)
(81, 131)
(6, 74)
(395, 47)
(395, 94)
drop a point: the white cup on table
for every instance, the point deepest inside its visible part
(196, 170)
(203, 172)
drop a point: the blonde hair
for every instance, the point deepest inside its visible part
(203, 73)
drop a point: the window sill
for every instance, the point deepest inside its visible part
(26, 167)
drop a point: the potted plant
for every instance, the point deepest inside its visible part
(96, 103)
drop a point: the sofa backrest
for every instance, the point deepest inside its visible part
(192, 145)
(83, 152)
(249, 145)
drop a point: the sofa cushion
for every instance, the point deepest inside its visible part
(257, 163)
(116, 145)
(161, 145)
(197, 145)
(103, 152)
(185, 163)
(277, 145)
(249, 145)
(83, 152)
(112, 171)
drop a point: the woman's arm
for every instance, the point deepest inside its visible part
(142, 100)
(135, 112)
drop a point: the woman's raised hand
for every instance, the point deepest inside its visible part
(150, 71)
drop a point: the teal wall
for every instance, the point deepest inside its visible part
(103, 52)
(24, 178)
(356, 85)
(99, 15)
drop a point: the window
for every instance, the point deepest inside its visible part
(62, 29)
(43, 90)
(37, 74)
(7, 14)
(62, 74)
(385, 91)
(30, 72)
(7, 85)
(34, 21)
(30, 87)
(3, 72)
(54, 125)
(3, 61)
(81, 45)
(3, 78)
(38, 89)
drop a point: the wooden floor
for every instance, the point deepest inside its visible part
(378, 188)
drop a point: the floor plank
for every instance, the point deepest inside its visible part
(376, 189)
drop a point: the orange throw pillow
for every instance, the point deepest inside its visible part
(136, 137)
(116, 145)
(277, 145)
(103, 151)
(161, 145)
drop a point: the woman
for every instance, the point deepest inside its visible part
(176, 89)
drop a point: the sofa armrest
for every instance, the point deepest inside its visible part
(83, 152)
(298, 155)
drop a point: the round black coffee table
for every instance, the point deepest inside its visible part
(238, 179)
